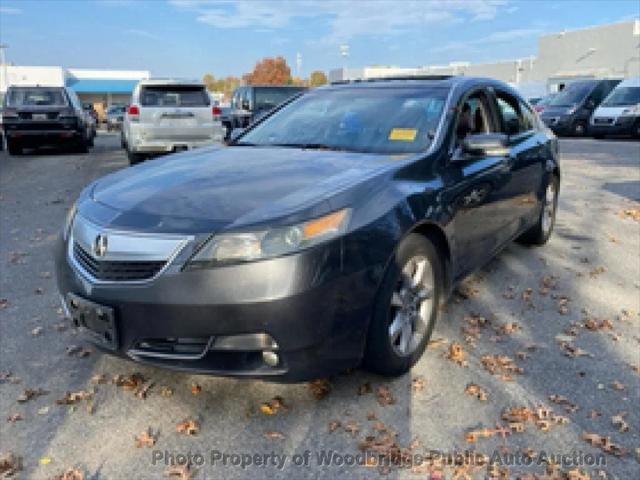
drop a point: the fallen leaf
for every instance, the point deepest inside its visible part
(36, 331)
(188, 427)
(44, 461)
(618, 386)
(418, 384)
(501, 365)
(14, 418)
(273, 406)
(43, 411)
(619, 423)
(456, 353)
(320, 388)
(384, 396)
(99, 378)
(10, 464)
(364, 388)
(146, 439)
(334, 425)
(352, 428)
(70, 474)
(128, 382)
(29, 393)
(166, 391)
(195, 388)
(476, 391)
(70, 398)
(182, 472)
(272, 435)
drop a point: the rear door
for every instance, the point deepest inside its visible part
(526, 162)
(176, 112)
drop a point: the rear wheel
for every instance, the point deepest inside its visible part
(14, 147)
(406, 308)
(134, 158)
(539, 234)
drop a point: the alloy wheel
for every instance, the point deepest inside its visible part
(411, 306)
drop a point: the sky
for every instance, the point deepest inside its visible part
(188, 38)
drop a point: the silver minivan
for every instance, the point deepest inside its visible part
(166, 116)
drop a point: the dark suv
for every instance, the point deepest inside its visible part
(325, 236)
(568, 112)
(37, 116)
(252, 102)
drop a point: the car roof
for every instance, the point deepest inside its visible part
(170, 81)
(437, 81)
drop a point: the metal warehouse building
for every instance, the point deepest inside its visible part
(605, 51)
(98, 87)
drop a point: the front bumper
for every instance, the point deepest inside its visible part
(627, 125)
(560, 125)
(311, 304)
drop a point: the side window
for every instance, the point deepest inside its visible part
(514, 118)
(529, 119)
(474, 116)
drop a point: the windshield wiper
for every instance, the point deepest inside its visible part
(308, 146)
(244, 144)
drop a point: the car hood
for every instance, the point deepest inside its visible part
(610, 111)
(216, 188)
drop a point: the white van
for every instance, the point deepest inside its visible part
(168, 116)
(619, 113)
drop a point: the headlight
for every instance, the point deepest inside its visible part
(242, 247)
(631, 111)
(68, 221)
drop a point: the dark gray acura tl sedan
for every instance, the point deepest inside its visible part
(322, 237)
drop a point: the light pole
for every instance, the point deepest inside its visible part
(344, 52)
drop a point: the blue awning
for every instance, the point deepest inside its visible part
(95, 85)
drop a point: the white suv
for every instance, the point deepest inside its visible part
(168, 116)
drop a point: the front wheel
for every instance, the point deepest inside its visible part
(134, 158)
(406, 308)
(539, 234)
(14, 147)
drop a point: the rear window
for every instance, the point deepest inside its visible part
(174, 96)
(36, 97)
(268, 98)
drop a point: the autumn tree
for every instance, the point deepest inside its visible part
(269, 71)
(317, 78)
(224, 85)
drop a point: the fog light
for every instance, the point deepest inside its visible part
(270, 358)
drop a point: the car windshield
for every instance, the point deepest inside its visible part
(623, 96)
(31, 97)
(376, 120)
(268, 98)
(573, 94)
(174, 96)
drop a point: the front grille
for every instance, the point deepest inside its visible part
(115, 271)
(603, 121)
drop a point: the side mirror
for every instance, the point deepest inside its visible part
(245, 105)
(591, 104)
(235, 133)
(482, 145)
(513, 126)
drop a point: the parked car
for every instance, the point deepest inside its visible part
(324, 236)
(36, 116)
(167, 116)
(252, 102)
(568, 113)
(115, 116)
(541, 104)
(619, 113)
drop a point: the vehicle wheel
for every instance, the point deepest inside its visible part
(134, 158)
(541, 231)
(82, 146)
(13, 147)
(123, 143)
(579, 129)
(406, 308)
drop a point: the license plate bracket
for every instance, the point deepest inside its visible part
(39, 116)
(96, 321)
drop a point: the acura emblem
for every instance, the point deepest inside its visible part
(100, 245)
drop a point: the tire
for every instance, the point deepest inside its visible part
(123, 143)
(579, 129)
(384, 353)
(82, 146)
(539, 234)
(13, 147)
(134, 158)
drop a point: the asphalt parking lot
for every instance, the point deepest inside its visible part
(536, 356)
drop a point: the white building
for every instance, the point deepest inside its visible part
(604, 51)
(99, 87)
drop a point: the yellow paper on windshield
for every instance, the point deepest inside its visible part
(403, 134)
